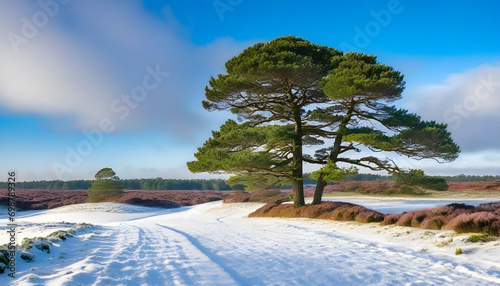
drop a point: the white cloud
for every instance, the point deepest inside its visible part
(485, 162)
(91, 52)
(468, 102)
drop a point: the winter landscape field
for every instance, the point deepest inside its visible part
(217, 244)
(232, 142)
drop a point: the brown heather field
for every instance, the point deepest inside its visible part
(372, 186)
(484, 218)
(37, 199)
(492, 186)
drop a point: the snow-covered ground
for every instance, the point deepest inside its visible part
(217, 244)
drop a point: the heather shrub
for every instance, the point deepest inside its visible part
(459, 217)
(433, 218)
(436, 222)
(263, 195)
(462, 206)
(351, 188)
(54, 205)
(369, 216)
(148, 202)
(236, 197)
(32, 199)
(326, 210)
(458, 251)
(391, 219)
(489, 207)
(406, 190)
(414, 218)
(482, 222)
(169, 198)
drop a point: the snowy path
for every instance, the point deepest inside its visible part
(216, 244)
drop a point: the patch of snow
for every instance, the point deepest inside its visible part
(217, 244)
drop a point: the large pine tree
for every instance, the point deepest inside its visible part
(291, 93)
(275, 82)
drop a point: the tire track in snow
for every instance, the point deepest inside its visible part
(146, 254)
(267, 250)
(208, 253)
(456, 270)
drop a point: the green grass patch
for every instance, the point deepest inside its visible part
(480, 238)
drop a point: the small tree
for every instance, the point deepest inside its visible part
(416, 177)
(105, 187)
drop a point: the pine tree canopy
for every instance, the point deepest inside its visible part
(290, 95)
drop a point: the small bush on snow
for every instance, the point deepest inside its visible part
(28, 257)
(480, 238)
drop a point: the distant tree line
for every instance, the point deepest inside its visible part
(212, 184)
(456, 178)
(375, 177)
(52, 185)
(470, 178)
(132, 184)
(177, 184)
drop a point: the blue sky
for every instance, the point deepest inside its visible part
(92, 84)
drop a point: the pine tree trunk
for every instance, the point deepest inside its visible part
(298, 193)
(297, 173)
(320, 186)
(318, 192)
